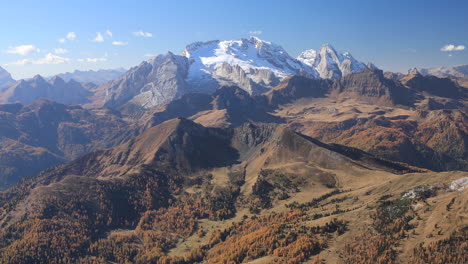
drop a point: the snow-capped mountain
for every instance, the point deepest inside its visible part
(262, 62)
(329, 63)
(252, 64)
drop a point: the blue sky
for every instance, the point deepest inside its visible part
(395, 35)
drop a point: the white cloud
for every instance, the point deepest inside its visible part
(119, 43)
(23, 50)
(19, 62)
(109, 33)
(71, 35)
(52, 59)
(149, 55)
(255, 32)
(94, 60)
(60, 51)
(48, 59)
(451, 47)
(99, 37)
(141, 33)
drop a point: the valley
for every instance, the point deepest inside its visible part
(235, 152)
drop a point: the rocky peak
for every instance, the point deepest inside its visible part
(28, 91)
(56, 80)
(413, 71)
(38, 79)
(308, 57)
(5, 79)
(329, 64)
(371, 66)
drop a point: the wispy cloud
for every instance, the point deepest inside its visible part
(98, 38)
(141, 33)
(109, 33)
(52, 59)
(119, 43)
(71, 35)
(149, 55)
(48, 59)
(23, 50)
(93, 60)
(60, 51)
(451, 47)
(19, 62)
(255, 32)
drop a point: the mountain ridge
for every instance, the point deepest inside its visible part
(252, 64)
(30, 90)
(97, 77)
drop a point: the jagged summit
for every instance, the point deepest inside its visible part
(329, 64)
(56, 80)
(5, 79)
(372, 66)
(413, 71)
(253, 64)
(97, 77)
(262, 62)
(30, 90)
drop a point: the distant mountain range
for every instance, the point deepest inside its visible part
(29, 90)
(398, 116)
(252, 64)
(97, 77)
(460, 71)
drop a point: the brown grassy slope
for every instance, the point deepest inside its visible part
(178, 167)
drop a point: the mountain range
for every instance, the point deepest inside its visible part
(178, 181)
(460, 71)
(397, 116)
(28, 91)
(252, 64)
(235, 152)
(96, 77)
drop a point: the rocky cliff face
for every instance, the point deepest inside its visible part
(329, 63)
(152, 83)
(374, 87)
